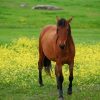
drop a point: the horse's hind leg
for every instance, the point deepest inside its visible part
(40, 65)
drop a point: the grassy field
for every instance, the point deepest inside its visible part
(19, 32)
(16, 21)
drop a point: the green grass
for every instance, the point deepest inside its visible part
(16, 21)
(49, 92)
(20, 82)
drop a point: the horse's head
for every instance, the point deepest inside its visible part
(63, 31)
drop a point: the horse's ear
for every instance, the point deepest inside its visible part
(57, 18)
(70, 20)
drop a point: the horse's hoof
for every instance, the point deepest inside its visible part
(41, 85)
(69, 92)
(61, 98)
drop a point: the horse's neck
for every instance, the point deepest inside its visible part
(70, 42)
(71, 46)
(71, 39)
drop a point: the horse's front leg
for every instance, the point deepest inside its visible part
(70, 78)
(59, 78)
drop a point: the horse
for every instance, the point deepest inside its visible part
(56, 44)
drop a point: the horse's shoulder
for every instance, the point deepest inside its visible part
(48, 28)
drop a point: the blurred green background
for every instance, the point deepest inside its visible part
(17, 21)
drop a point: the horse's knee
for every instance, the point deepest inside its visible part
(59, 82)
(70, 78)
(70, 85)
(40, 74)
(40, 65)
(60, 78)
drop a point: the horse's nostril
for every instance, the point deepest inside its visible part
(62, 46)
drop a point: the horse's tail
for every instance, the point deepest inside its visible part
(47, 65)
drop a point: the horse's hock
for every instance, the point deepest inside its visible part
(46, 7)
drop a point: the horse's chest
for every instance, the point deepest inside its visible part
(65, 56)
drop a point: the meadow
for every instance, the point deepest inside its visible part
(19, 32)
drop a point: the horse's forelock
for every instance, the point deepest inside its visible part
(61, 22)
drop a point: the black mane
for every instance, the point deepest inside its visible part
(61, 22)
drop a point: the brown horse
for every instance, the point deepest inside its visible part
(56, 44)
